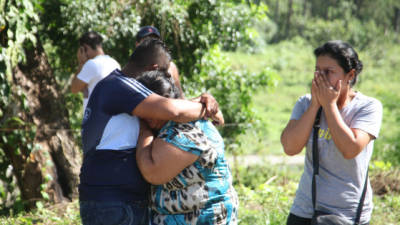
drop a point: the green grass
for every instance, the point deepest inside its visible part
(58, 214)
(265, 192)
(294, 63)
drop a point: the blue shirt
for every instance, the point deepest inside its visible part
(109, 135)
(202, 193)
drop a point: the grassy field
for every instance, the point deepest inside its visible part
(266, 191)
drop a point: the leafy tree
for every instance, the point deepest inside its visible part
(355, 21)
(35, 142)
(38, 52)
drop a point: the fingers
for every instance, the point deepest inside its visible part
(197, 99)
(212, 109)
(339, 85)
(218, 119)
(211, 104)
(322, 82)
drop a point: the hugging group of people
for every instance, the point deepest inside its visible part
(151, 157)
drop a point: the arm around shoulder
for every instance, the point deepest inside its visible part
(178, 110)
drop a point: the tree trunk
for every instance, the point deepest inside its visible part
(276, 11)
(305, 8)
(396, 19)
(53, 167)
(289, 15)
(356, 11)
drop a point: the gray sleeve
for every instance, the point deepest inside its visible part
(369, 118)
(300, 107)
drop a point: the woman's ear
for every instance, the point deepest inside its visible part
(351, 75)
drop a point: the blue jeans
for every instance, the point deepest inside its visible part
(114, 213)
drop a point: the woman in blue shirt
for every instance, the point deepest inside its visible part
(185, 162)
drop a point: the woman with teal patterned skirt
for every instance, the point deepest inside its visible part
(185, 162)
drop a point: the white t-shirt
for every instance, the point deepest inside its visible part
(340, 181)
(95, 70)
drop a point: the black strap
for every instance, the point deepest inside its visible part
(315, 157)
(361, 203)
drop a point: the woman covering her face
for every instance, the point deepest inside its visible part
(185, 162)
(349, 124)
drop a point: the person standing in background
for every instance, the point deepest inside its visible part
(147, 32)
(94, 65)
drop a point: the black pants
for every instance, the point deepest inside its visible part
(297, 220)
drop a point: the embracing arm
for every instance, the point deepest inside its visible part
(349, 141)
(178, 110)
(158, 160)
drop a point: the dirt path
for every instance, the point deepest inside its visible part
(246, 160)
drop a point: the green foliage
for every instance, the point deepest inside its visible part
(361, 23)
(17, 28)
(195, 30)
(17, 25)
(265, 197)
(233, 89)
(294, 62)
(62, 214)
(386, 209)
(355, 32)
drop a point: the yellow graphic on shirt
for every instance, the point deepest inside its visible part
(324, 133)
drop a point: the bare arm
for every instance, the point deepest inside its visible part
(296, 133)
(178, 110)
(349, 141)
(78, 85)
(158, 160)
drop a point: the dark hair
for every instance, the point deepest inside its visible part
(344, 55)
(149, 52)
(91, 38)
(159, 82)
(150, 36)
